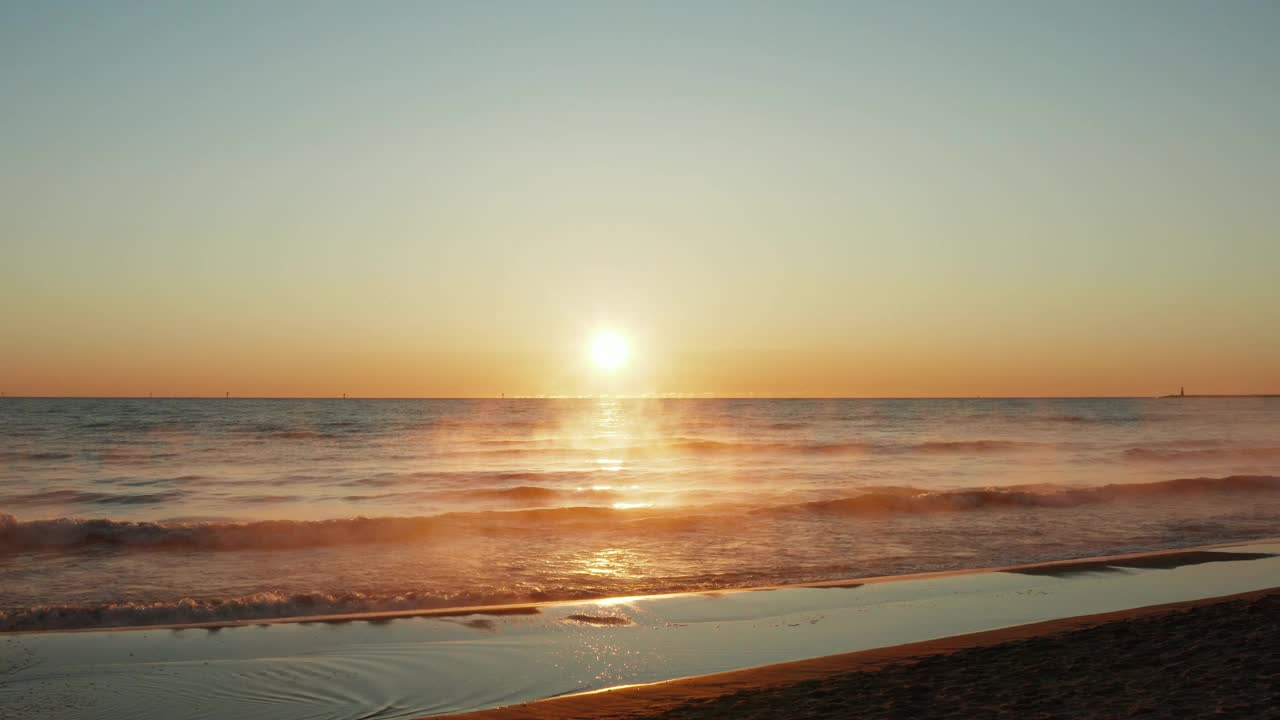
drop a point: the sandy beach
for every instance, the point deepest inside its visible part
(1206, 658)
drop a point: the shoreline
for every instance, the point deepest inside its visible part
(462, 661)
(1162, 559)
(653, 699)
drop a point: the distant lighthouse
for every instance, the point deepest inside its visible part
(1182, 392)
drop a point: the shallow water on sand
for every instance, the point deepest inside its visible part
(143, 511)
(410, 667)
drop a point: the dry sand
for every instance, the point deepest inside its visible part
(1207, 658)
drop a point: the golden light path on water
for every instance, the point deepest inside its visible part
(611, 425)
(612, 562)
(296, 507)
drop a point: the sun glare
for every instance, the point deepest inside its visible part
(609, 351)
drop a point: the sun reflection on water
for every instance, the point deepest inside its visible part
(614, 562)
(609, 418)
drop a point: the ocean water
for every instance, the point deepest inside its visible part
(141, 511)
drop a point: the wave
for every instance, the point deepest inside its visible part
(1189, 486)
(70, 533)
(1100, 420)
(708, 446)
(1149, 454)
(62, 497)
(522, 495)
(570, 450)
(468, 477)
(266, 534)
(676, 445)
(268, 499)
(877, 503)
(532, 494)
(969, 446)
(591, 486)
(300, 435)
(11, 455)
(900, 501)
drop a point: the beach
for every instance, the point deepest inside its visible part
(588, 360)
(1208, 658)
(398, 559)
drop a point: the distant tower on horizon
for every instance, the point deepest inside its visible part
(1182, 391)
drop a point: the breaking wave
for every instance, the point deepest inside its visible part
(50, 497)
(1199, 454)
(63, 533)
(901, 500)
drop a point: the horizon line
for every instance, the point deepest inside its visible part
(660, 396)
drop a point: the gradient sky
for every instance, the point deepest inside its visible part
(448, 199)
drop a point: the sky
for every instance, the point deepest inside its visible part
(430, 199)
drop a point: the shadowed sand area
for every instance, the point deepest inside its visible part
(1208, 658)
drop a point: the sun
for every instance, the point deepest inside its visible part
(609, 351)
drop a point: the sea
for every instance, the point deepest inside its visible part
(126, 512)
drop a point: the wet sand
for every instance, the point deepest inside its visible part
(1218, 657)
(731, 648)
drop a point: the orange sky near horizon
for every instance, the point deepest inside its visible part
(441, 200)
(715, 374)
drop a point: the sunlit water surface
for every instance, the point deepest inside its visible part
(159, 510)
